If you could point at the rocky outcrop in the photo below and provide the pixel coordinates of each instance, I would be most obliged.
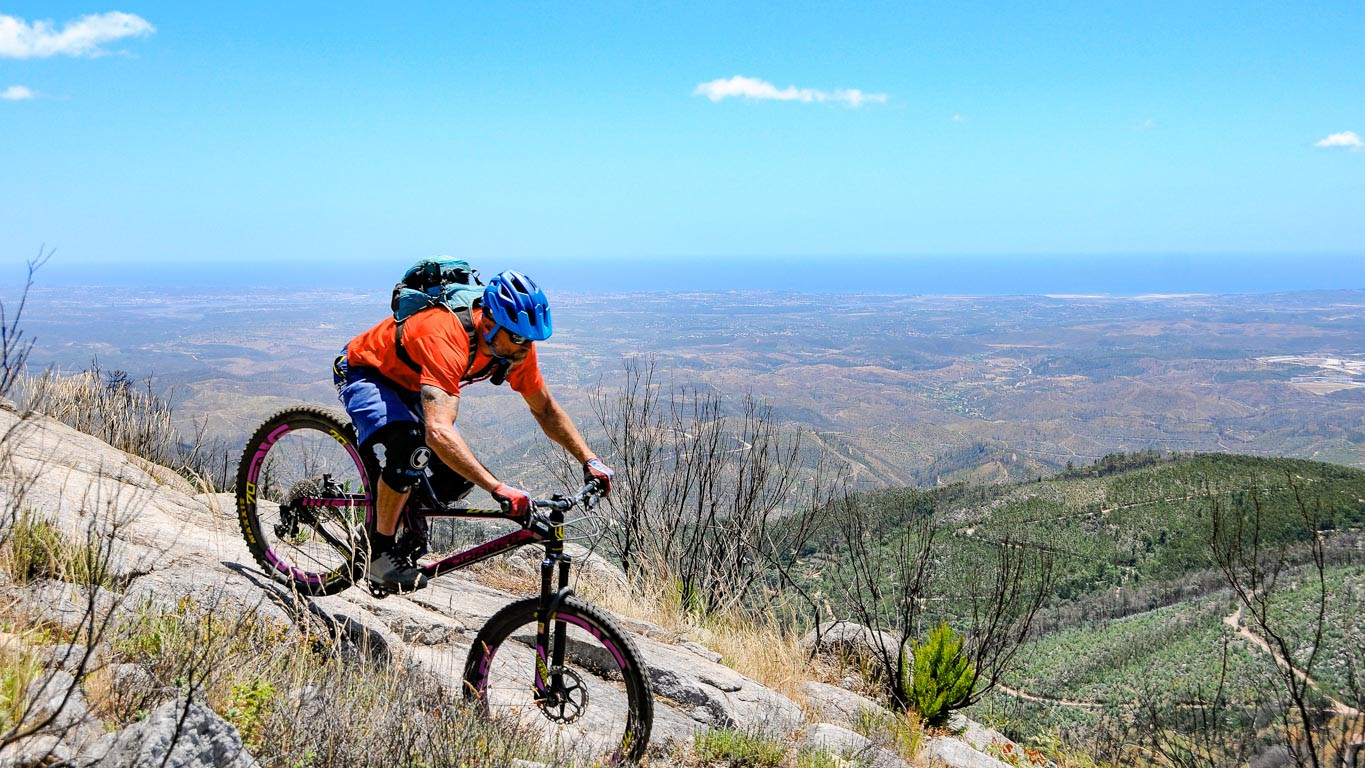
(851, 640)
(841, 741)
(177, 734)
(836, 705)
(169, 543)
(943, 752)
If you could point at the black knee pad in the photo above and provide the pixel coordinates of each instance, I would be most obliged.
(399, 453)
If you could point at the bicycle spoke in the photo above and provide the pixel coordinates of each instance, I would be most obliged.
(302, 492)
(594, 705)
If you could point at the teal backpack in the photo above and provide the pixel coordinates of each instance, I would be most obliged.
(437, 282)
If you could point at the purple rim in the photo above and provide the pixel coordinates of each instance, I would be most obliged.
(629, 725)
(281, 565)
(540, 684)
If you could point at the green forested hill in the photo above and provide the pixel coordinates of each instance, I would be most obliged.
(1138, 612)
(1129, 521)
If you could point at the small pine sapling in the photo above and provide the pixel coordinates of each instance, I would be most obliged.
(941, 677)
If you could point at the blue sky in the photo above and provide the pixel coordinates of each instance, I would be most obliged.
(574, 135)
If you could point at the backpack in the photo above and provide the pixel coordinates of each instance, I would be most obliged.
(437, 282)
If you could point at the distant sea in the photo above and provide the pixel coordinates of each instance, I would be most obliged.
(1118, 275)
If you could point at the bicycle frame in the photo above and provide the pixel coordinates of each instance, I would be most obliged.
(534, 528)
(543, 528)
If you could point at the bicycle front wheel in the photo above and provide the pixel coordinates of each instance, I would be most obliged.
(596, 704)
(302, 497)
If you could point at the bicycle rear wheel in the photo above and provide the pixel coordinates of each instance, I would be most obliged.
(605, 707)
(302, 500)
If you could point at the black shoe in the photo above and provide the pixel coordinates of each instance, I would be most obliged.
(394, 571)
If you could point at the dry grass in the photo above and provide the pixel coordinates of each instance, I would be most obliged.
(131, 416)
(296, 699)
(125, 414)
(757, 644)
(756, 649)
(34, 547)
(300, 699)
(508, 573)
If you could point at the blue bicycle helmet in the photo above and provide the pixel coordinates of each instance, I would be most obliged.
(516, 303)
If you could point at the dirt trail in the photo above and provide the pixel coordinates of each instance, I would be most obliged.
(1015, 692)
(1234, 620)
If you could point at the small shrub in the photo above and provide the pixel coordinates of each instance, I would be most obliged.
(739, 749)
(19, 666)
(823, 759)
(941, 678)
(1020, 757)
(902, 733)
(35, 548)
(248, 707)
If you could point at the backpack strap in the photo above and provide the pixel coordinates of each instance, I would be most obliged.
(466, 317)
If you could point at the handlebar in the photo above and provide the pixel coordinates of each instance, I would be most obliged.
(587, 497)
(542, 524)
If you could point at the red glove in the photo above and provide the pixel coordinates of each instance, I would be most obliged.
(514, 501)
(594, 469)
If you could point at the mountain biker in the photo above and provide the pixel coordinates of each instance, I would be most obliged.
(402, 412)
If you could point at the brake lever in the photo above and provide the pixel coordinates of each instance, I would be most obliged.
(588, 496)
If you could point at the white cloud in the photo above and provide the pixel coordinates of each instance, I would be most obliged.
(1145, 125)
(753, 88)
(82, 37)
(16, 93)
(959, 118)
(1346, 140)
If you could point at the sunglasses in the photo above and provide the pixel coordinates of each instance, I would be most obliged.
(520, 341)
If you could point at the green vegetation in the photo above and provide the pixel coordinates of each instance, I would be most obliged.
(1140, 617)
(1175, 649)
(35, 548)
(738, 749)
(941, 677)
(1340, 654)
(1133, 522)
(19, 666)
(901, 733)
(249, 703)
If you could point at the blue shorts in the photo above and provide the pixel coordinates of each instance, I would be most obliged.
(399, 454)
(371, 399)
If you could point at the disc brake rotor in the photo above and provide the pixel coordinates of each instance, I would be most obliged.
(566, 702)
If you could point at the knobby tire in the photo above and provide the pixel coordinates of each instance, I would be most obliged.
(321, 567)
(499, 676)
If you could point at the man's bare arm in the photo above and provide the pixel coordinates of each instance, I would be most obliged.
(557, 425)
(440, 409)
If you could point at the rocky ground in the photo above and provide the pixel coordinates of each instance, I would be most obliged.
(172, 542)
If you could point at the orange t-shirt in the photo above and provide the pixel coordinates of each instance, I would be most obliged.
(436, 341)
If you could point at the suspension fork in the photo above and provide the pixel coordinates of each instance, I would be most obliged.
(549, 680)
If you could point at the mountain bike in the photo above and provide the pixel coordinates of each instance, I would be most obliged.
(553, 664)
